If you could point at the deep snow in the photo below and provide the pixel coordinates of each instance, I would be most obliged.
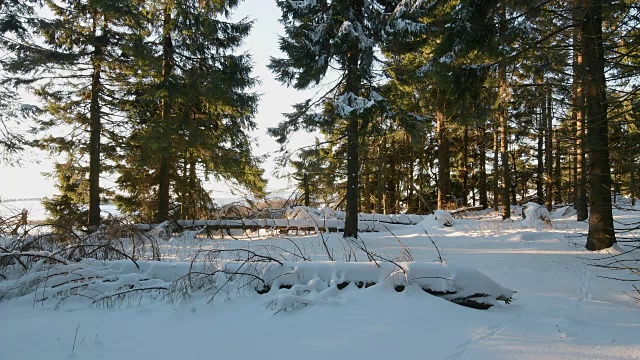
(563, 309)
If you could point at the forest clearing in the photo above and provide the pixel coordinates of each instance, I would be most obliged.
(566, 304)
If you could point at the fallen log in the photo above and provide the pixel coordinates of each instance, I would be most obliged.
(459, 212)
(461, 285)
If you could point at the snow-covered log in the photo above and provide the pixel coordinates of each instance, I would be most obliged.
(459, 284)
(308, 213)
(323, 225)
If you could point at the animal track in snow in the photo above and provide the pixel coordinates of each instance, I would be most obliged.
(585, 279)
(488, 334)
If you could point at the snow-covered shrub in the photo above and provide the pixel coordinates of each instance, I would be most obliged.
(40, 248)
(94, 281)
(440, 218)
(535, 215)
(444, 217)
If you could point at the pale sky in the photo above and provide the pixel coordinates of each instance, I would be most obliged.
(27, 182)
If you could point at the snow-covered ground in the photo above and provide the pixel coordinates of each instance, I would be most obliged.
(564, 309)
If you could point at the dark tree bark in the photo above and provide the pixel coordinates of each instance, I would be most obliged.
(412, 204)
(444, 161)
(95, 118)
(353, 163)
(504, 127)
(380, 196)
(601, 231)
(164, 179)
(482, 187)
(548, 147)
(542, 125)
(504, 146)
(307, 191)
(516, 178)
(465, 165)
(579, 118)
(504, 156)
(558, 173)
(634, 182)
(496, 168)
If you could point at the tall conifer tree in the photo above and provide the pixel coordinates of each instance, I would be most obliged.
(191, 109)
(73, 73)
(16, 16)
(601, 232)
(333, 34)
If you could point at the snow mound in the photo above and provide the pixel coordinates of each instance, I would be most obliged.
(564, 212)
(516, 210)
(440, 218)
(535, 215)
(402, 219)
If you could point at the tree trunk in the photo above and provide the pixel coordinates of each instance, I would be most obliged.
(504, 147)
(548, 150)
(634, 182)
(482, 187)
(391, 183)
(558, 173)
(351, 220)
(95, 129)
(504, 126)
(444, 162)
(496, 169)
(353, 164)
(380, 196)
(601, 231)
(412, 205)
(465, 165)
(542, 124)
(504, 156)
(164, 181)
(516, 178)
(305, 184)
(183, 189)
(579, 117)
(193, 199)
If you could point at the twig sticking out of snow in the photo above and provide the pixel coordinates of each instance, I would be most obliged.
(440, 258)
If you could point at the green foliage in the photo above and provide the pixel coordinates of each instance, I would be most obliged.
(67, 209)
(13, 30)
(210, 112)
(74, 63)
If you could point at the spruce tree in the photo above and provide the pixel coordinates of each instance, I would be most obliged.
(191, 110)
(601, 232)
(314, 169)
(15, 18)
(342, 35)
(73, 72)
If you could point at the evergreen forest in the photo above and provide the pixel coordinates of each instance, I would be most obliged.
(425, 105)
